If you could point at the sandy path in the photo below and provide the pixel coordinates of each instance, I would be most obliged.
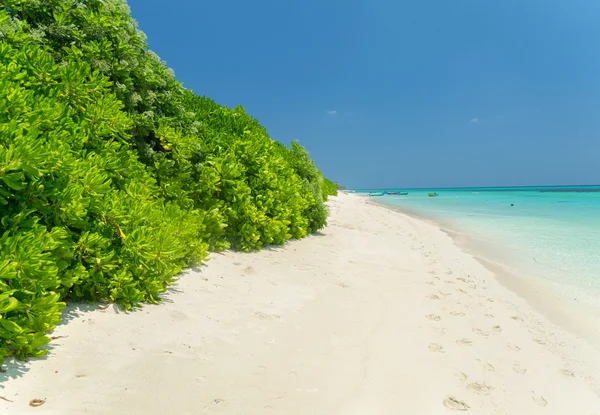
(380, 314)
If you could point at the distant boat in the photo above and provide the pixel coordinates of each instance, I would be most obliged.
(377, 193)
(398, 193)
(432, 194)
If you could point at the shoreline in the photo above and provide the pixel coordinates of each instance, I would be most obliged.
(578, 317)
(380, 313)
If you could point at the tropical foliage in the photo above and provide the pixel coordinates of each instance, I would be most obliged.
(113, 177)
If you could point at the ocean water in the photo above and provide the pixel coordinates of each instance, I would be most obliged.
(551, 233)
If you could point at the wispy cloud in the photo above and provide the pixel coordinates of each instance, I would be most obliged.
(332, 112)
(474, 121)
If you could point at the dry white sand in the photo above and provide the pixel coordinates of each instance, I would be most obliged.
(379, 314)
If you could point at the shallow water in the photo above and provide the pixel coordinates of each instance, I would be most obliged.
(550, 233)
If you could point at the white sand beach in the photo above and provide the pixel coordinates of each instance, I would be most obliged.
(380, 313)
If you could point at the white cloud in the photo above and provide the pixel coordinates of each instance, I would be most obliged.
(332, 112)
(474, 121)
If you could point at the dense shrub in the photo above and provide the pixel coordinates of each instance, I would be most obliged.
(104, 34)
(245, 175)
(113, 178)
(314, 184)
(329, 188)
(78, 218)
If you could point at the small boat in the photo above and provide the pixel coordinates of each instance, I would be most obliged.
(398, 193)
(432, 194)
(377, 193)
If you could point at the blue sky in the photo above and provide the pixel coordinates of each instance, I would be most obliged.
(388, 93)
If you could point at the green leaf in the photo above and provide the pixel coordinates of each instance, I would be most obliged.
(13, 180)
(9, 328)
(8, 304)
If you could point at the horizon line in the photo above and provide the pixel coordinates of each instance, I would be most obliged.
(476, 187)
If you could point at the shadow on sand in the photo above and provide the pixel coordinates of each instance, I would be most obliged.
(13, 368)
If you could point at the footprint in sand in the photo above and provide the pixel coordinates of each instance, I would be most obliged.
(517, 318)
(464, 342)
(539, 341)
(487, 366)
(178, 315)
(433, 297)
(449, 272)
(540, 400)
(264, 316)
(568, 373)
(489, 315)
(461, 279)
(454, 404)
(436, 348)
(481, 332)
(513, 347)
(519, 369)
(462, 291)
(432, 272)
(433, 317)
(479, 388)
(430, 282)
(449, 282)
(457, 313)
(497, 329)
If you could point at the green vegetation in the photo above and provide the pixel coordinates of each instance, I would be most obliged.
(113, 177)
(339, 186)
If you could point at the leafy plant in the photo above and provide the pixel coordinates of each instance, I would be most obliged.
(231, 166)
(314, 183)
(113, 177)
(79, 216)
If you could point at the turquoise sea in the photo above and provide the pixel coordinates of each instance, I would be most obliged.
(551, 233)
